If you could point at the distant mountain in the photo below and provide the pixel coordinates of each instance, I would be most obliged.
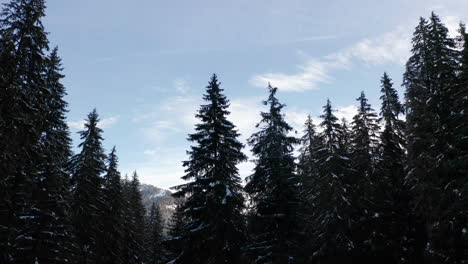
(161, 197)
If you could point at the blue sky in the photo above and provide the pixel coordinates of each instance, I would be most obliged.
(144, 64)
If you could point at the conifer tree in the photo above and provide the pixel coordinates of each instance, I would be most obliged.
(214, 202)
(134, 222)
(52, 227)
(308, 177)
(419, 131)
(332, 216)
(430, 79)
(364, 138)
(364, 155)
(9, 143)
(309, 143)
(176, 231)
(24, 43)
(273, 188)
(112, 215)
(460, 185)
(87, 195)
(394, 225)
(155, 252)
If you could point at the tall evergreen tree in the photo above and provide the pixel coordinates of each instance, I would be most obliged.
(460, 119)
(308, 177)
(112, 215)
(332, 216)
(273, 188)
(364, 155)
(430, 81)
(24, 43)
(52, 228)
(309, 143)
(214, 202)
(419, 131)
(10, 118)
(176, 231)
(155, 252)
(134, 222)
(364, 138)
(87, 195)
(394, 224)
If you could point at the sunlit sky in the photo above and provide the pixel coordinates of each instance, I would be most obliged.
(145, 64)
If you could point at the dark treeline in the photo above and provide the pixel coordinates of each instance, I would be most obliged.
(389, 186)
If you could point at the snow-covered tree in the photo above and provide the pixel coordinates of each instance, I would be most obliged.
(134, 222)
(273, 188)
(332, 214)
(154, 250)
(87, 193)
(394, 225)
(25, 121)
(52, 227)
(112, 213)
(213, 198)
(364, 156)
(176, 231)
(430, 81)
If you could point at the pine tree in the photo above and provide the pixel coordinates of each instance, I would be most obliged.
(460, 160)
(308, 177)
(394, 224)
(176, 231)
(112, 215)
(23, 104)
(364, 155)
(364, 138)
(430, 79)
(155, 252)
(134, 222)
(273, 188)
(9, 143)
(214, 202)
(51, 222)
(309, 143)
(332, 216)
(87, 195)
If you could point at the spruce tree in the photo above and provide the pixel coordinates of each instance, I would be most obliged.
(214, 202)
(460, 159)
(364, 138)
(26, 119)
(430, 81)
(273, 188)
(394, 226)
(134, 222)
(9, 143)
(87, 194)
(112, 215)
(308, 177)
(176, 231)
(332, 214)
(364, 156)
(155, 252)
(306, 166)
(52, 227)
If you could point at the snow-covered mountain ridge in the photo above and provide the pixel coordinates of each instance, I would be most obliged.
(163, 198)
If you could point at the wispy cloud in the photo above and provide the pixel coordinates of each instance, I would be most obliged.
(104, 123)
(310, 75)
(181, 86)
(391, 47)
